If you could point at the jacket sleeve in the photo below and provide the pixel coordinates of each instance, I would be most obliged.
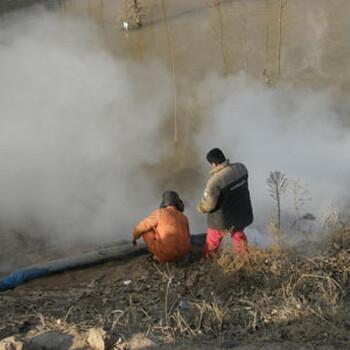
(144, 226)
(210, 198)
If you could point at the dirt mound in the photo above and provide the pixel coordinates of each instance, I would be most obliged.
(268, 297)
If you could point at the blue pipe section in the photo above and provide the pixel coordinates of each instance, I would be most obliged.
(20, 277)
(56, 266)
(96, 257)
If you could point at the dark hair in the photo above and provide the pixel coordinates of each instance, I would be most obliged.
(216, 156)
(172, 198)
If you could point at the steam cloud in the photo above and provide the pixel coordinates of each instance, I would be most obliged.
(76, 129)
(299, 132)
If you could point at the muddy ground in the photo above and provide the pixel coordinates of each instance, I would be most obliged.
(267, 301)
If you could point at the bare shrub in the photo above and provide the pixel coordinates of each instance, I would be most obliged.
(277, 183)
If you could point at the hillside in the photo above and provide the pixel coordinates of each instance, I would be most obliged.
(270, 299)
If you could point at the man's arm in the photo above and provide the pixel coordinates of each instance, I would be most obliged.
(144, 226)
(209, 200)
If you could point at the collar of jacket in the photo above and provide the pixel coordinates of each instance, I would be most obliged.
(221, 166)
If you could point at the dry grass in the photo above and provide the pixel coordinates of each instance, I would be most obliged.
(263, 296)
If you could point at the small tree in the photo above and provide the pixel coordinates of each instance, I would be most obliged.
(277, 183)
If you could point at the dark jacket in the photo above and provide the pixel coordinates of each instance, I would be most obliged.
(226, 198)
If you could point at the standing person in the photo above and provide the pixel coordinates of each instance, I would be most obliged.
(226, 201)
(166, 231)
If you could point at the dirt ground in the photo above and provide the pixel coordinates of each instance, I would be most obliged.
(139, 303)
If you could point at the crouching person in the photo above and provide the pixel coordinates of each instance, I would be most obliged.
(166, 230)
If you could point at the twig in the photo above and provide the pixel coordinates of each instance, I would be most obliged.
(322, 277)
(282, 6)
(166, 301)
(186, 324)
(321, 317)
(67, 314)
(172, 64)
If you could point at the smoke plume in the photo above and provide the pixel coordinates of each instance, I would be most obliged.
(82, 136)
(76, 130)
(299, 132)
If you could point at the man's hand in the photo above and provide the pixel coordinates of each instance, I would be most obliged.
(200, 208)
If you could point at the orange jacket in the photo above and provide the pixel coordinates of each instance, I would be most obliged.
(166, 234)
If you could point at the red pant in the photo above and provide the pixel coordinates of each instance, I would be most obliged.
(214, 239)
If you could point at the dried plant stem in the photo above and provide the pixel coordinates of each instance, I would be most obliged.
(245, 37)
(172, 65)
(67, 314)
(126, 11)
(298, 201)
(329, 279)
(166, 302)
(321, 317)
(266, 77)
(221, 37)
(137, 13)
(267, 47)
(282, 6)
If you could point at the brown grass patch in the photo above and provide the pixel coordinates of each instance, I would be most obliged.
(267, 295)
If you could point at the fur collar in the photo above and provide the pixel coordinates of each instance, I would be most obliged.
(221, 166)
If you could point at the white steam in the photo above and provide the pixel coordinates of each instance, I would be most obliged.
(78, 126)
(74, 131)
(295, 131)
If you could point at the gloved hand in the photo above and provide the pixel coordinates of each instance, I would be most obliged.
(200, 208)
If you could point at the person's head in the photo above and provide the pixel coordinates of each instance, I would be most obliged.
(171, 198)
(215, 157)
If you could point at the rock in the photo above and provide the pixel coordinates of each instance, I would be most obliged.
(53, 340)
(11, 343)
(140, 341)
(96, 338)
